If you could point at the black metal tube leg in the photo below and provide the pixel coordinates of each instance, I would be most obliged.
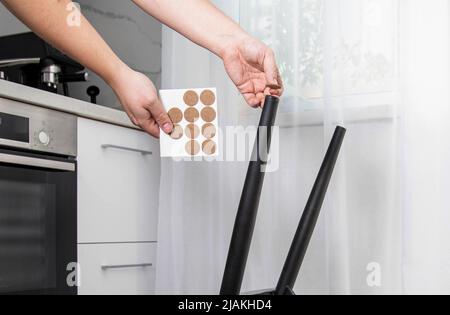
(248, 207)
(310, 215)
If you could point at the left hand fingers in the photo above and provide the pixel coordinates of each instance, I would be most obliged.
(277, 92)
(280, 83)
(272, 74)
(252, 100)
(271, 69)
(275, 89)
(150, 126)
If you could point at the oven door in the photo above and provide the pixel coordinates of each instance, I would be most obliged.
(38, 224)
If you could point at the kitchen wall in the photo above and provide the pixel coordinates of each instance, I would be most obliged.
(9, 24)
(134, 36)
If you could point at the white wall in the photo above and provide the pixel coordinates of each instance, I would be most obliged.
(134, 36)
(9, 24)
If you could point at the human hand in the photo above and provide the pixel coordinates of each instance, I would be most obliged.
(140, 100)
(251, 65)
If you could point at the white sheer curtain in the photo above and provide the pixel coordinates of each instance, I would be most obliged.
(381, 68)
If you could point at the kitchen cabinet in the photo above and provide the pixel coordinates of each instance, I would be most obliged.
(118, 191)
(118, 184)
(117, 269)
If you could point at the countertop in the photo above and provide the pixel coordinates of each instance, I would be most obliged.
(25, 94)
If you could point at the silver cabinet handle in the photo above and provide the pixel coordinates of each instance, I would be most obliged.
(118, 147)
(143, 265)
(35, 162)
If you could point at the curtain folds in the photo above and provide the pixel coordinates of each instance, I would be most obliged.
(381, 68)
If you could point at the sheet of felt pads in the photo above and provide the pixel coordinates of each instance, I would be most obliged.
(194, 115)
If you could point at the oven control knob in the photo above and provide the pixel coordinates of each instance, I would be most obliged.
(44, 138)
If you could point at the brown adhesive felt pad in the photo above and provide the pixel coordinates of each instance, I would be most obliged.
(192, 131)
(177, 132)
(192, 147)
(176, 115)
(190, 98)
(208, 97)
(208, 114)
(209, 147)
(209, 131)
(191, 115)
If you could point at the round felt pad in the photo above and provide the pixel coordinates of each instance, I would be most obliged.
(190, 98)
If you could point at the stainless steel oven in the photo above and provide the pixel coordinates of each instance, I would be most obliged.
(38, 210)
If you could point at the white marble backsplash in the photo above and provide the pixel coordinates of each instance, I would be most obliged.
(133, 35)
(9, 24)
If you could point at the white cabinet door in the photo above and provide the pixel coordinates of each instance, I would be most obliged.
(117, 269)
(118, 184)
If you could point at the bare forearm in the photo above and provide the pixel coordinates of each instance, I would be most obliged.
(198, 20)
(48, 18)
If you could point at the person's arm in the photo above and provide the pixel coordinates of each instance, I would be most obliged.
(250, 64)
(48, 19)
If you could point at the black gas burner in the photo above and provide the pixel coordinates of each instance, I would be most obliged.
(27, 59)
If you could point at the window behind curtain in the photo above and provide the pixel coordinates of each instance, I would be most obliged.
(350, 43)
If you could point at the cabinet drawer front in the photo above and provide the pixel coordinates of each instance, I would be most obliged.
(118, 184)
(117, 269)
